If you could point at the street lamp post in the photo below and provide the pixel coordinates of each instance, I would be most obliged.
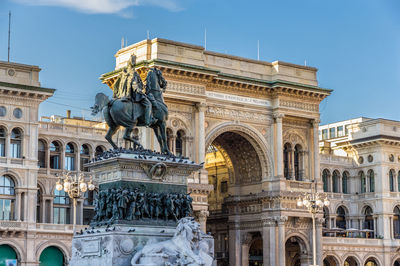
(314, 202)
(74, 185)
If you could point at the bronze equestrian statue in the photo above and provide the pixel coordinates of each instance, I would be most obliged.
(132, 106)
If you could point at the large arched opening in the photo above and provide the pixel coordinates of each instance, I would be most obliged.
(296, 252)
(330, 261)
(236, 165)
(351, 261)
(233, 163)
(8, 255)
(256, 252)
(52, 256)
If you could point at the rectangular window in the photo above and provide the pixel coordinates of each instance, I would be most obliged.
(60, 216)
(42, 159)
(6, 209)
(2, 148)
(55, 161)
(15, 149)
(69, 163)
(346, 130)
(224, 186)
(332, 132)
(340, 132)
(324, 133)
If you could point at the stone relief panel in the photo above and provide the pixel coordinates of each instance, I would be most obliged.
(179, 87)
(299, 105)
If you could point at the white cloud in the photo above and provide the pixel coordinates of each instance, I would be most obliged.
(103, 6)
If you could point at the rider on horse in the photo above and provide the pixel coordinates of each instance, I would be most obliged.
(129, 87)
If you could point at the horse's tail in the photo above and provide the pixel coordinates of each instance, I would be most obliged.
(100, 101)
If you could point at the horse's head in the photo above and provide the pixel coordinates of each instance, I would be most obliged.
(155, 80)
(100, 101)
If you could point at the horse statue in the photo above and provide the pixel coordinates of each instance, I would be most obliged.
(129, 114)
(188, 247)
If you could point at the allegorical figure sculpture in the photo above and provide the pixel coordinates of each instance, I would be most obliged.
(113, 205)
(187, 247)
(135, 106)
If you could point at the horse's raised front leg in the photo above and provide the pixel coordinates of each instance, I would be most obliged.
(110, 133)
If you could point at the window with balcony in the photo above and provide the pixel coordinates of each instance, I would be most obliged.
(340, 131)
(99, 151)
(69, 157)
(345, 180)
(16, 142)
(179, 143)
(371, 179)
(298, 171)
(55, 155)
(84, 157)
(325, 179)
(391, 180)
(332, 132)
(324, 133)
(61, 207)
(41, 154)
(341, 218)
(2, 142)
(363, 182)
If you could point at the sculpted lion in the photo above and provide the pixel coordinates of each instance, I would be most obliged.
(186, 248)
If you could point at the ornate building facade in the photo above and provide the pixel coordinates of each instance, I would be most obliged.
(255, 125)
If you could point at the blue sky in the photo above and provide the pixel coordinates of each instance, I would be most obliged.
(354, 44)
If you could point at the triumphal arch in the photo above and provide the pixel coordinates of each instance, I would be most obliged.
(255, 126)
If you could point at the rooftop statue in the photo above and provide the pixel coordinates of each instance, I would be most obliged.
(134, 105)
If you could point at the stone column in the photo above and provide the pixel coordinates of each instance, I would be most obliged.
(202, 216)
(245, 249)
(201, 135)
(18, 205)
(281, 239)
(318, 229)
(279, 144)
(269, 242)
(234, 246)
(315, 124)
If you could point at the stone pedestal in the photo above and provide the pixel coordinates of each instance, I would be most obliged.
(114, 239)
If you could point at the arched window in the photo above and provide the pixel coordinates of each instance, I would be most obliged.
(325, 179)
(16, 140)
(341, 218)
(55, 155)
(85, 157)
(286, 154)
(345, 180)
(298, 171)
(363, 181)
(99, 151)
(369, 221)
(371, 179)
(69, 157)
(41, 154)
(2, 142)
(38, 204)
(179, 143)
(335, 181)
(7, 198)
(396, 222)
(61, 207)
(391, 180)
(398, 181)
